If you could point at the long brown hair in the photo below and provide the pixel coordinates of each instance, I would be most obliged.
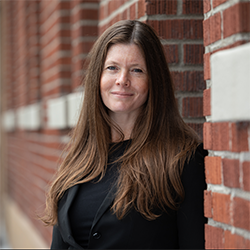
(149, 176)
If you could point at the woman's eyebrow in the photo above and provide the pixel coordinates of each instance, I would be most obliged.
(111, 61)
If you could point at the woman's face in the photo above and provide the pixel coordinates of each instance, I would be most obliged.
(124, 80)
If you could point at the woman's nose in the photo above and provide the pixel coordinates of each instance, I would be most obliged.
(123, 79)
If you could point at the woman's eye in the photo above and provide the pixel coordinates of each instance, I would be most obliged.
(137, 70)
(111, 68)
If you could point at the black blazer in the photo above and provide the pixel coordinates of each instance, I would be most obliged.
(183, 228)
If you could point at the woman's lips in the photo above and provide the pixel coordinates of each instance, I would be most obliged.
(121, 94)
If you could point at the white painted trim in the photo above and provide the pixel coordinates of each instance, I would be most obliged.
(230, 88)
(74, 103)
(21, 117)
(34, 116)
(62, 112)
(56, 113)
(8, 120)
(29, 117)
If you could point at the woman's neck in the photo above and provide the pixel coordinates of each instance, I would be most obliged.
(126, 124)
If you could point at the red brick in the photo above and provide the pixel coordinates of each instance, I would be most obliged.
(111, 7)
(115, 5)
(124, 15)
(234, 241)
(207, 135)
(57, 22)
(220, 134)
(241, 213)
(86, 31)
(240, 136)
(84, 14)
(206, 6)
(231, 172)
(221, 208)
(171, 53)
(206, 58)
(207, 102)
(178, 28)
(192, 7)
(161, 7)
(236, 19)
(206, 32)
(102, 11)
(63, 74)
(193, 53)
(33, 55)
(246, 175)
(141, 8)
(82, 47)
(214, 237)
(218, 2)
(198, 128)
(192, 107)
(215, 28)
(208, 204)
(212, 29)
(115, 20)
(188, 81)
(213, 169)
(64, 5)
(65, 61)
(88, 14)
(56, 91)
(132, 11)
(102, 28)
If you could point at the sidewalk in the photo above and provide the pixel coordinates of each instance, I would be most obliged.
(4, 244)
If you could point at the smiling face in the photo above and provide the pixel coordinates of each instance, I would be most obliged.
(124, 80)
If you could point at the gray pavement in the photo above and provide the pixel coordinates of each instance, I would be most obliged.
(4, 243)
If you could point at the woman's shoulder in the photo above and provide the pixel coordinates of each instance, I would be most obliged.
(200, 153)
(67, 196)
(194, 167)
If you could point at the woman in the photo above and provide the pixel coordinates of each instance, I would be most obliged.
(133, 176)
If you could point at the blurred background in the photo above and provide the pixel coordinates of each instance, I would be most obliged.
(44, 44)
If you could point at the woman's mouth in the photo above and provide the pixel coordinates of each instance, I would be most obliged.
(121, 94)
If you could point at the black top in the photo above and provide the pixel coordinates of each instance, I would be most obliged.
(182, 228)
(90, 196)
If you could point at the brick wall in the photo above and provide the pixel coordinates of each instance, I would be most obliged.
(45, 46)
(55, 48)
(37, 46)
(226, 132)
(84, 31)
